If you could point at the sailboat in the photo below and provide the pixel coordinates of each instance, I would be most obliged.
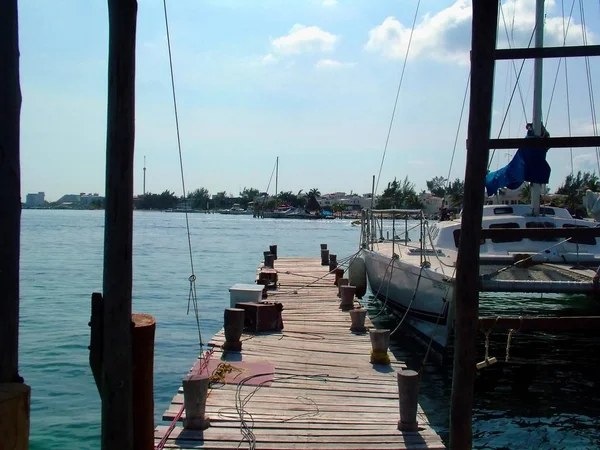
(524, 248)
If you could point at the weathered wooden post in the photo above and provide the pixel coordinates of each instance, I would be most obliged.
(117, 409)
(195, 392)
(269, 259)
(380, 341)
(342, 282)
(273, 250)
(144, 327)
(339, 273)
(234, 325)
(358, 316)
(408, 399)
(324, 257)
(332, 262)
(347, 294)
(14, 394)
(484, 29)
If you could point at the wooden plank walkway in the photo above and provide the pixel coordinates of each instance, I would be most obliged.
(325, 394)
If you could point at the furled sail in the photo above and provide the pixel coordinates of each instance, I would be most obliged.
(528, 164)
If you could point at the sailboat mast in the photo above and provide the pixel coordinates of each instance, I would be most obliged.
(144, 189)
(276, 176)
(538, 73)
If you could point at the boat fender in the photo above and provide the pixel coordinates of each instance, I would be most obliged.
(357, 276)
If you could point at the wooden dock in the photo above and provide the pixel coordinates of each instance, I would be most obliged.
(324, 393)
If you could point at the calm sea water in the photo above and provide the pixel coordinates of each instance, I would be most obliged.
(61, 265)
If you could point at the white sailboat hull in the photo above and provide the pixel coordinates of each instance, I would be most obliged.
(423, 295)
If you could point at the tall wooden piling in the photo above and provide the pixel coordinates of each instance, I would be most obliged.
(142, 394)
(484, 29)
(14, 395)
(10, 191)
(117, 415)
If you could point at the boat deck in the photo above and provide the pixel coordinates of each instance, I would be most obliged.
(324, 393)
(496, 267)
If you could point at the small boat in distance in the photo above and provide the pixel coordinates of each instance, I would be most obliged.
(235, 209)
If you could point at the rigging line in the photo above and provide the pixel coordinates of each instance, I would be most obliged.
(511, 98)
(411, 301)
(567, 78)
(565, 32)
(387, 140)
(192, 277)
(513, 61)
(589, 81)
(462, 111)
(568, 111)
(271, 179)
(273, 173)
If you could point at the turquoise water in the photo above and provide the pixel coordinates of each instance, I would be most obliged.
(61, 265)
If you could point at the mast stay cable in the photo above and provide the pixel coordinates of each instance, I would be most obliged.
(588, 72)
(387, 140)
(192, 297)
(565, 33)
(511, 97)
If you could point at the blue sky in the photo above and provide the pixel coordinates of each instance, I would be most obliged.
(310, 81)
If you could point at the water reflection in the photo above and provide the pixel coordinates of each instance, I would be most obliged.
(545, 397)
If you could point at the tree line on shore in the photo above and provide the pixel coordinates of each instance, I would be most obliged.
(398, 194)
(201, 199)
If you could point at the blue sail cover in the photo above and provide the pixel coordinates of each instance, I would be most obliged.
(528, 164)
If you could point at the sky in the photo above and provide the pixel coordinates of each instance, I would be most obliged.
(312, 82)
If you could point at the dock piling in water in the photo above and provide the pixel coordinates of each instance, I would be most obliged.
(142, 337)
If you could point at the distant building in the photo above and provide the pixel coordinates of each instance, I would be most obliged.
(70, 198)
(431, 204)
(505, 197)
(86, 199)
(33, 200)
(350, 201)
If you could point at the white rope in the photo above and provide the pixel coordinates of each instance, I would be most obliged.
(509, 338)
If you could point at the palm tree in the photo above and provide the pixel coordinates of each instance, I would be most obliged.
(525, 193)
(339, 208)
(314, 192)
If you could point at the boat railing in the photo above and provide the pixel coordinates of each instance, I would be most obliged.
(372, 222)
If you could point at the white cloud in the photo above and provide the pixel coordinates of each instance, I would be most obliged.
(332, 64)
(303, 39)
(268, 59)
(585, 160)
(446, 35)
(329, 3)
